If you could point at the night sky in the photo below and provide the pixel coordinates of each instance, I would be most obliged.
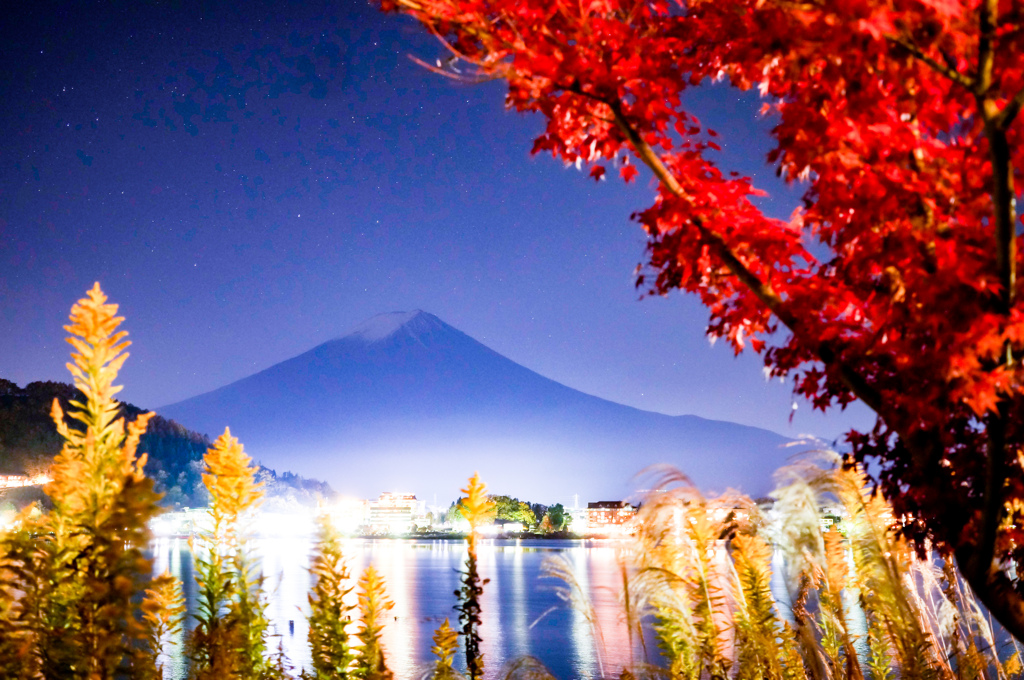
(250, 180)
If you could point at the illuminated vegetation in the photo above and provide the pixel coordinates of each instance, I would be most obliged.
(478, 509)
(373, 605)
(331, 609)
(446, 641)
(69, 578)
(78, 598)
(229, 639)
(162, 611)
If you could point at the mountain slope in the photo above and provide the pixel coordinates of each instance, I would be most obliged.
(406, 401)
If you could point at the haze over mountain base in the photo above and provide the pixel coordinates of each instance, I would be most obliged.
(406, 402)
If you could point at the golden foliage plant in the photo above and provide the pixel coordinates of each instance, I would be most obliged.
(476, 506)
(98, 459)
(162, 611)
(883, 560)
(69, 580)
(478, 509)
(760, 634)
(331, 609)
(373, 605)
(229, 639)
(681, 574)
(446, 643)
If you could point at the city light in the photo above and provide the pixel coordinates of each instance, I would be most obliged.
(20, 481)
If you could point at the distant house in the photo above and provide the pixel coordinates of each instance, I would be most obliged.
(393, 513)
(609, 517)
(10, 480)
(830, 516)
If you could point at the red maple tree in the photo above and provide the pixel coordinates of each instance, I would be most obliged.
(894, 283)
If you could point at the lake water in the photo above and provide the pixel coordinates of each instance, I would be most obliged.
(522, 613)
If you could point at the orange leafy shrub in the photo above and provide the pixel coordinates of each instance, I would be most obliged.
(230, 638)
(69, 578)
(373, 605)
(478, 509)
(95, 463)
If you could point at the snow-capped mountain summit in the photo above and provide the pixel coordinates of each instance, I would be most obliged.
(384, 325)
(406, 401)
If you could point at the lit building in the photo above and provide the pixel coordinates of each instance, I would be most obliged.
(393, 513)
(16, 481)
(609, 517)
(13, 481)
(830, 516)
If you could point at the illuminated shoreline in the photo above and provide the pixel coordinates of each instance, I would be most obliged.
(192, 522)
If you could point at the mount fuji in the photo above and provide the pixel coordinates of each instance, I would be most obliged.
(407, 402)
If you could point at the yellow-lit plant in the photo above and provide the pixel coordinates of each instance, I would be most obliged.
(373, 605)
(31, 615)
(760, 633)
(839, 647)
(230, 636)
(99, 459)
(69, 579)
(446, 643)
(478, 509)
(883, 560)
(679, 574)
(162, 612)
(700, 573)
(331, 611)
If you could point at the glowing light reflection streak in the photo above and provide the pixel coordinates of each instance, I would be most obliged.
(517, 607)
(607, 584)
(401, 632)
(285, 569)
(490, 602)
(587, 648)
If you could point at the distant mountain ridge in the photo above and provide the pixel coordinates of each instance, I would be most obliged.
(407, 401)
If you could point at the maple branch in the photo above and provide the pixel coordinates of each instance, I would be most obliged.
(460, 77)
(1003, 207)
(762, 289)
(1010, 111)
(987, 12)
(938, 67)
(978, 562)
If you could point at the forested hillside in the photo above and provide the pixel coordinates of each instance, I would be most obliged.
(29, 441)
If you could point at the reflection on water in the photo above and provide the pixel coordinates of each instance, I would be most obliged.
(522, 614)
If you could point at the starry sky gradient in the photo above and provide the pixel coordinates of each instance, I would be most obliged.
(249, 180)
